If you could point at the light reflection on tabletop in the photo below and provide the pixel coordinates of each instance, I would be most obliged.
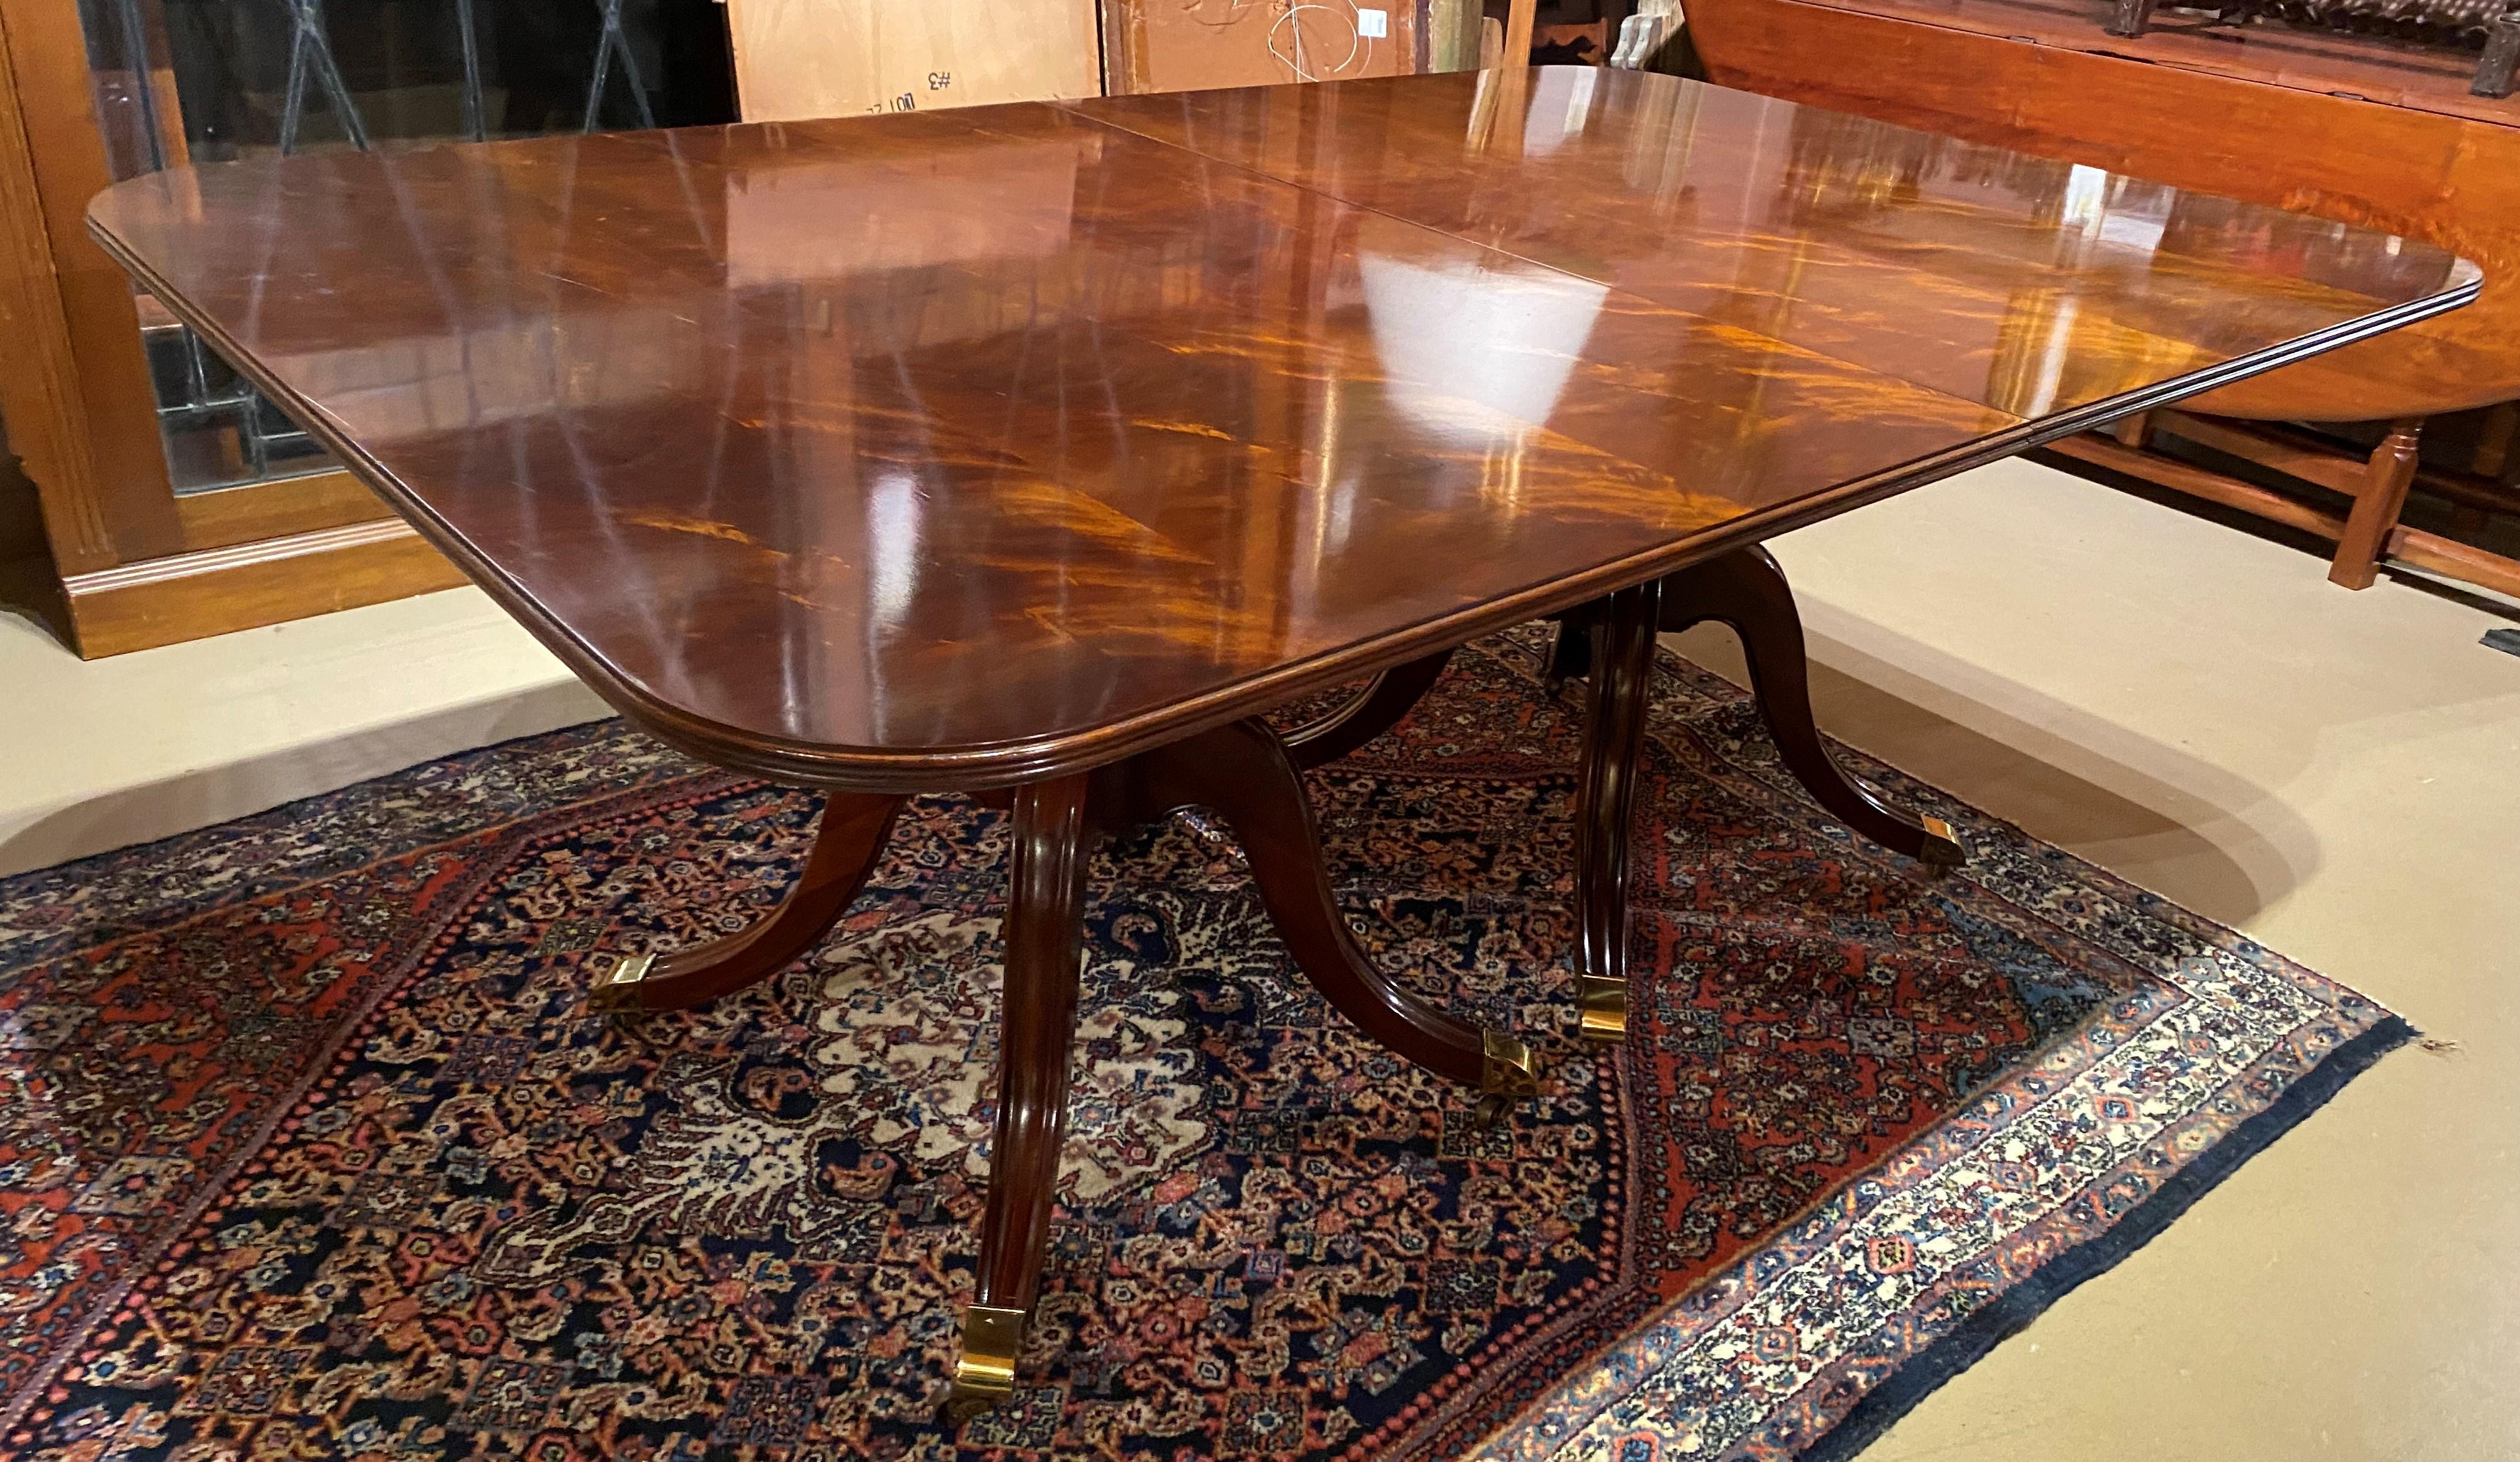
(981, 429)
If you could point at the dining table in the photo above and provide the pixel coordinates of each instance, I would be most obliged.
(1038, 453)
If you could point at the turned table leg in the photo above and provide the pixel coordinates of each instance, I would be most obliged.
(2376, 506)
(1745, 590)
(847, 842)
(1246, 774)
(1043, 942)
(1610, 641)
(1617, 691)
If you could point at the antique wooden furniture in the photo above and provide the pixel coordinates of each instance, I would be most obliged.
(2348, 67)
(176, 503)
(1047, 495)
(2490, 27)
(2428, 174)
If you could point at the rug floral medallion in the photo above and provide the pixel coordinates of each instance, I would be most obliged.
(309, 1147)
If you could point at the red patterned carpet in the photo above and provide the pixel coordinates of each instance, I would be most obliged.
(309, 1148)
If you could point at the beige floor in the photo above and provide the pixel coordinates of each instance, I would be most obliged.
(2196, 709)
(123, 750)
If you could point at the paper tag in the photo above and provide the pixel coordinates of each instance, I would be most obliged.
(1372, 24)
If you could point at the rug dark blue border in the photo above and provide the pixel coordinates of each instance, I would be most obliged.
(2010, 1313)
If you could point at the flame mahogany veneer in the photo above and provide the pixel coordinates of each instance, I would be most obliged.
(1281, 386)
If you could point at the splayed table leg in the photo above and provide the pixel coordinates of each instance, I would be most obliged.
(1747, 590)
(847, 843)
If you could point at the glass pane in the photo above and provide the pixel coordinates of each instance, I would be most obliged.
(209, 80)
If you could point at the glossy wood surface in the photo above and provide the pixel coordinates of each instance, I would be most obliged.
(1617, 698)
(2450, 180)
(969, 448)
(2346, 65)
(2023, 283)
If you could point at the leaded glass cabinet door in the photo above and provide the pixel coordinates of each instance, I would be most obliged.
(178, 501)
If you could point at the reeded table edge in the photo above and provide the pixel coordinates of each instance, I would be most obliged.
(983, 766)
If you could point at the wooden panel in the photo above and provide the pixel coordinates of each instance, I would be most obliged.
(75, 390)
(1165, 45)
(285, 508)
(38, 378)
(125, 485)
(798, 59)
(192, 596)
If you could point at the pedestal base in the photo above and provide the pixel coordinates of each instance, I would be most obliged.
(1251, 777)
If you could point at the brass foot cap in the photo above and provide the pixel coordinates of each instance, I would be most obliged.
(616, 988)
(985, 1374)
(1507, 1067)
(1507, 1073)
(1605, 1004)
(1942, 849)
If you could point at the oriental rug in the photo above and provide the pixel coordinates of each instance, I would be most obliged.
(309, 1148)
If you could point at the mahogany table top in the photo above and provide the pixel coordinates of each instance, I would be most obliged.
(959, 448)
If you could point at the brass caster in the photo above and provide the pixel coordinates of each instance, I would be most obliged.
(985, 1374)
(1941, 848)
(616, 990)
(1506, 1074)
(1605, 1004)
(1507, 1068)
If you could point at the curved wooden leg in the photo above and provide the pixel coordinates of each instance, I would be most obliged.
(846, 844)
(1570, 646)
(1746, 590)
(1243, 771)
(1617, 699)
(1376, 709)
(1045, 946)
